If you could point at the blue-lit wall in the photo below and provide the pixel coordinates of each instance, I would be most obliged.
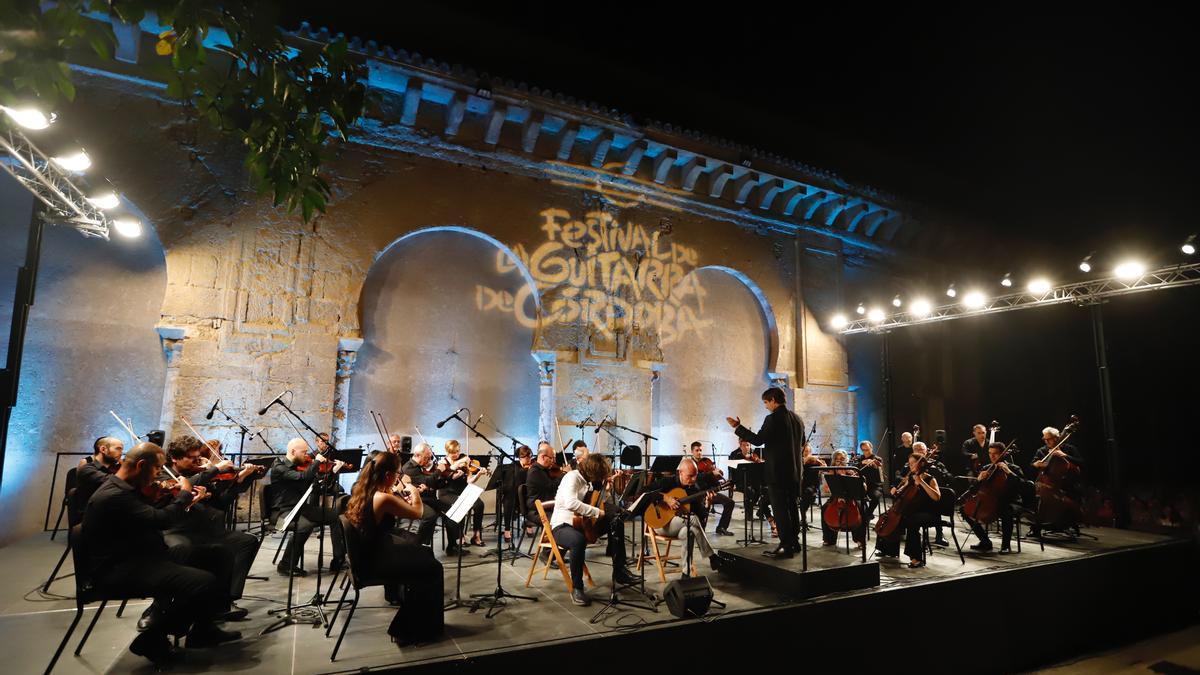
(90, 347)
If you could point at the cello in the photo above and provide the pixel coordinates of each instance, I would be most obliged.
(841, 514)
(1055, 506)
(983, 501)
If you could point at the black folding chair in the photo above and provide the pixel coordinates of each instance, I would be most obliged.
(359, 580)
(85, 594)
(945, 513)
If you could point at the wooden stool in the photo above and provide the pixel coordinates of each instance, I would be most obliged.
(660, 558)
(547, 543)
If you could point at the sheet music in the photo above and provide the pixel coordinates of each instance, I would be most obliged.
(465, 501)
(296, 509)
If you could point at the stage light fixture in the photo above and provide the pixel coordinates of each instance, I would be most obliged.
(860, 309)
(876, 315)
(1085, 265)
(29, 118)
(1007, 280)
(1039, 286)
(105, 200)
(951, 292)
(127, 227)
(1129, 270)
(838, 321)
(1189, 245)
(920, 307)
(974, 300)
(75, 163)
(896, 301)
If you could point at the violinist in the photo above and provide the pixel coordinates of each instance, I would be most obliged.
(292, 475)
(870, 467)
(975, 449)
(1053, 447)
(204, 523)
(707, 480)
(686, 477)
(995, 450)
(828, 534)
(92, 472)
(397, 556)
(458, 462)
(812, 479)
(421, 473)
(922, 511)
(746, 452)
(127, 555)
(757, 497)
(569, 502)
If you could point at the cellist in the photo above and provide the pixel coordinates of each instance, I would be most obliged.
(1054, 447)
(995, 451)
(921, 512)
(828, 534)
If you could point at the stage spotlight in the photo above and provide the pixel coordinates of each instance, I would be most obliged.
(1039, 286)
(838, 321)
(29, 118)
(951, 292)
(860, 309)
(108, 200)
(974, 300)
(75, 163)
(127, 227)
(1189, 246)
(1085, 265)
(875, 315)
(1007, 280)
(920, 308)
(896, 301)
(1129, 270)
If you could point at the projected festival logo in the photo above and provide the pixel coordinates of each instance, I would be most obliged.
(607, 274)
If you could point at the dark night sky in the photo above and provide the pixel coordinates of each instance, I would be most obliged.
(1071, 132)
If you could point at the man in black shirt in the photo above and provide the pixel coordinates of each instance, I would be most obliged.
(420, 470)
(782, 435)
(685, 479)
(975, 449)
(1053, 447)
(122, 533)
(92, 472)
(291, 477)
(900, 455)
(539, 485)
(709, 480)
(995, 450)
(870, 467)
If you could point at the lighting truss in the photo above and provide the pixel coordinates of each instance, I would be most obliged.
(65, 202)
(1082, 293)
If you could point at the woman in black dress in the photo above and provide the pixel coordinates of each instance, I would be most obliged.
(376, 501)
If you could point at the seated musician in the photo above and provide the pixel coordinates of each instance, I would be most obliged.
(579, 450)
(204, 523)
(757, 496)
(92, 472)
(424, 476)
(921, 512)
(686, 478)
(1053, 447)
(975, 449)
(517, 476)
(811, 478)
(745, 451)
(570, 501)
(122, 532)
(397, 556)
(828, 534)
(708, 481)
(292, 475)
(938, 471)
(870, 466)
(457, 461)
(541, 483)
(995, 450)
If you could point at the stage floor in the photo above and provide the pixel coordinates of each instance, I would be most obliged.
(31, 624)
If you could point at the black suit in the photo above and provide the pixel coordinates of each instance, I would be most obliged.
(782, 435)
(290, 485)
(204, 526)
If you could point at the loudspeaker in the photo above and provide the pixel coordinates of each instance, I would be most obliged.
(689, 596)
(406, 445)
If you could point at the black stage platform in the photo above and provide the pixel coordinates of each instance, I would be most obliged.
(1044, 606)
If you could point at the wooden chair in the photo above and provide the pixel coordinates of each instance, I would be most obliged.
(661, 558)
(547, 543)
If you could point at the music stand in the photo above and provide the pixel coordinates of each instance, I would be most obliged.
(850, 488)
(665, 464)
(636, 509)
(748, 477)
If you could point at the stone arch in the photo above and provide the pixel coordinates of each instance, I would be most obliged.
(430, 345)
(764, 306)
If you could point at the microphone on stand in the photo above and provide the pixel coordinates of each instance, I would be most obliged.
(212, 410)
(582, 424)
(277, 399)
(598, 426)
(474, 426)
(443, 422)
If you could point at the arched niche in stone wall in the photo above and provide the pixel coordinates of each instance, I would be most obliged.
(446, 324)
(718, 367)
(91, 347)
